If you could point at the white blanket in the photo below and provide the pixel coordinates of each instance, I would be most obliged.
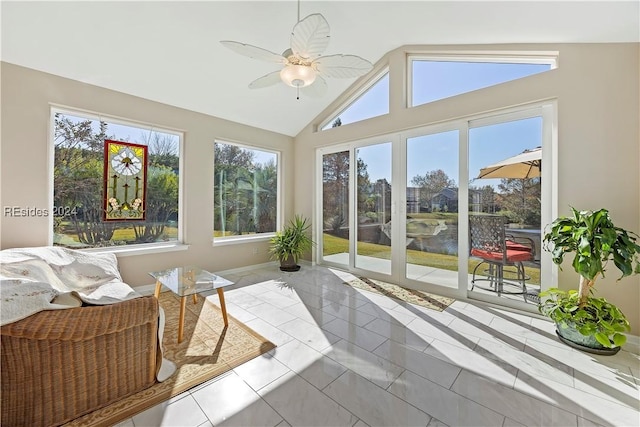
(92, 277)
(53, 278)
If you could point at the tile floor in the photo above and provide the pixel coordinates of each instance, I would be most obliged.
(352, 358)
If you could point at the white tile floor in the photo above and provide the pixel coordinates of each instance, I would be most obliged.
(351, 358)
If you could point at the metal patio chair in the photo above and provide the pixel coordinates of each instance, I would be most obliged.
(496, 250)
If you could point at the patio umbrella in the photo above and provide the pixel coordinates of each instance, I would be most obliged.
(524, 165)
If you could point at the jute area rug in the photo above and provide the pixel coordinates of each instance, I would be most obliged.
(424, 299)
(206, 351)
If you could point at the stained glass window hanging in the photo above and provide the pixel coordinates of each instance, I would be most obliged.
(125, 181)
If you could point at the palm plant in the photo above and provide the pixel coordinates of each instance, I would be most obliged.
(292, 242)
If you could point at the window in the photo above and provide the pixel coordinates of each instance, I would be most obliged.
(139, 204)
(434, 79)
(372, 103)
(246, 191)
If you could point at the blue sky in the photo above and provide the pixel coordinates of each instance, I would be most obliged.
(437, 80)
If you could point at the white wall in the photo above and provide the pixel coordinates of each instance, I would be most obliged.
(597, 89)
(26, 170)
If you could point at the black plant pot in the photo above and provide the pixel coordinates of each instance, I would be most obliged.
(290, 269)
(289, 264)
(573, 338)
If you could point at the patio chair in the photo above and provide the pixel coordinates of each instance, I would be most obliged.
(496, 250)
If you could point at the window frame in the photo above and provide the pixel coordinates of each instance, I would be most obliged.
(127, 249)
(509, 57)
(249, 238)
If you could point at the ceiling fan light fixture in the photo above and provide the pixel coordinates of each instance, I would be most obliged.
(298, 75)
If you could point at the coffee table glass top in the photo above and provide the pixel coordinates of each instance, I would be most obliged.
(189, 280)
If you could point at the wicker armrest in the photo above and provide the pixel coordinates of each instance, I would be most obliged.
(78, 324)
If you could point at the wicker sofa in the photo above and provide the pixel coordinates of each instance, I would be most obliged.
(58, 365)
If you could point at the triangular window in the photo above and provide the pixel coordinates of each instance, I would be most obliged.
(374, 101)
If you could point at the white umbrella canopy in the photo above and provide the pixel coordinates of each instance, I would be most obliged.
(524, 165)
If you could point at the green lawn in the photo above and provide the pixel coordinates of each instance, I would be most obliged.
(433, 217)
(335, 245)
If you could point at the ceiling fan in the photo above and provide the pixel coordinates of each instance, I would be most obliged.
(303, 67)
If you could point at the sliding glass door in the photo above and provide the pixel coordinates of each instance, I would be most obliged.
(432, 205)
(335, 207)
(505, 166)
(401, 207)
(374, 200)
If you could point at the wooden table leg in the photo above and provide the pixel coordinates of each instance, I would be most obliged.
(183, 303)
(157, 291)
(223, 307)
(195, 298)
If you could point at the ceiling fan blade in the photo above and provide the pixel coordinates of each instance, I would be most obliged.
(317, 89)
(342, 66)
(310, 36)
(266, 80)
(254, 52)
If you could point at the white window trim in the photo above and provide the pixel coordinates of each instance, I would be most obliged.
(252, 238)
(353, 98)
(131, 249)
(245, 238)
(510, 57)
(141, 249)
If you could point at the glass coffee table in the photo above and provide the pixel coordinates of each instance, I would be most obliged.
(189, 280)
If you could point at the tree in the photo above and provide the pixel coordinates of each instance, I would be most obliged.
(337, 122)
(266, 184)
(163, 150)
(335, 188)
(78, 176)
(432, 183)
(521, 197)
(162, 203)
(245, 191)
(230, 156)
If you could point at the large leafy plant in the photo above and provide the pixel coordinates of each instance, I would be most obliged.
(293, 240)
(594, 240)
(599, 318)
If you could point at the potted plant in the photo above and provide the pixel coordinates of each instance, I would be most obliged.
(584, 321)
(291, 243)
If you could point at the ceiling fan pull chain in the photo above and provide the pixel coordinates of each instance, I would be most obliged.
(298, 94)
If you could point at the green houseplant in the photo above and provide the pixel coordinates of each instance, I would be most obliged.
(582, 320)
(291, 243)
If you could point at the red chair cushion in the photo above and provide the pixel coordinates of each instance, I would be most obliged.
(512, 255)
(511, 245)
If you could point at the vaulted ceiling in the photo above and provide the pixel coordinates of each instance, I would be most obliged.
(170, 52)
